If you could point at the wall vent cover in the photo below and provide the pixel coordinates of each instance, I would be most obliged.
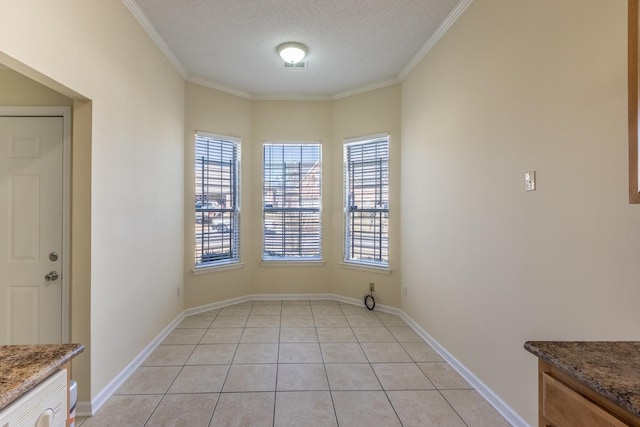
(303, 65)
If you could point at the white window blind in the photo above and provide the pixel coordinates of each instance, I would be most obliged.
(292, 201)
(366, 167)
(217, 200)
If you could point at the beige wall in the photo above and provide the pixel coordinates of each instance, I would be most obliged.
(129, 108)
(327, 122)
(81, 243)
(303, 121)
(513, 86)
(216, 112)
(135, 122)
(19, 90)
(376, 111)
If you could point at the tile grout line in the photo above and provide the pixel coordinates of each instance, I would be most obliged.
(326, 375)
(378, 378)
(452, 407)
(301, 337)
(434, 385)
(275, 387)
(177, 375)
(228, 369)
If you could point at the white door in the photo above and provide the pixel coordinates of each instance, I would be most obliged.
(31, 183)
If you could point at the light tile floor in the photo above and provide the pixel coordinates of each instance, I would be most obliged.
(294, 363)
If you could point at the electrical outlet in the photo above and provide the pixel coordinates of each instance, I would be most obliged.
(372, 286)
(178, 292)
(404, 291)
(530, 181)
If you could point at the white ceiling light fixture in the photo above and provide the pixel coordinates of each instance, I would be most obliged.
(292, 52)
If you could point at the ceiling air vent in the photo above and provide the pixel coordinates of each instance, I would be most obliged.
(302, 65)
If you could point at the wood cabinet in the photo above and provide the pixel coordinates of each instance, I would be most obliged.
(564, 402)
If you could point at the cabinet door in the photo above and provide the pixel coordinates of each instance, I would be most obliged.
(564, 407)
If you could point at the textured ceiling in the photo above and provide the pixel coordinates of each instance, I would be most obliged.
(353, 44)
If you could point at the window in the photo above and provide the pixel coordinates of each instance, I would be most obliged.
(217, 200)
(366, 200)
(292, 201)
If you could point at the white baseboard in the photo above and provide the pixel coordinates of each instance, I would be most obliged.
(360, 302)
(498, 404)
(85, 409)
(290, 297)
(215, 305)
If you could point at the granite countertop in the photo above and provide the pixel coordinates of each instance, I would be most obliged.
(23, 367)
(610, 368)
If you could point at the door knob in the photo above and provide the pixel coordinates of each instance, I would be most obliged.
(51, 276)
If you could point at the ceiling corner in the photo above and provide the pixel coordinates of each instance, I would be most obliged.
(435, 37)
(155, 36)
(216, 86)
(364, 89)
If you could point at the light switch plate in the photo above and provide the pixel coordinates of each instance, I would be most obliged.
(530, 181)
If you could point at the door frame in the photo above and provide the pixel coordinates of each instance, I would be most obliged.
(65, 113)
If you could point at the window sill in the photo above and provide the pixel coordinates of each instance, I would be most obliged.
(216, 268)
(302, 263)
(366, 267)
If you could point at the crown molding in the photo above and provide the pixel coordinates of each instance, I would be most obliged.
(155, 36)
(435, 37)
(453, 16)
(217, 86)
(212, 85)
(367, 88)
(291, 98)
(231, 91)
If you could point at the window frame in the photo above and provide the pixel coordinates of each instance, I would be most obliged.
(209, 208)
(270, 209)
(350, 209)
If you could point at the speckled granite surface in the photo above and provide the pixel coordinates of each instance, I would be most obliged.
(22, 367)
(611, 368)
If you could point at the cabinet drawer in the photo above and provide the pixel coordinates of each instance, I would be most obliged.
(565, 407)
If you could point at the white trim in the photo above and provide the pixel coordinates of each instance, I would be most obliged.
(89, 408)
(367, 88)
(65, 113)
(498, 404)
(205, 134)
(219, 87)
(359, 143)
(236, 144)
(291, 142)
(290, 98)
(215, 305)
(155, 36)
(216, 268)
(365, 267)
(286, 260)
(290, 297)
(360, 302)
(66, 224)
(153, 33)
(279, 262)
(435, 37)
(365, 138)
